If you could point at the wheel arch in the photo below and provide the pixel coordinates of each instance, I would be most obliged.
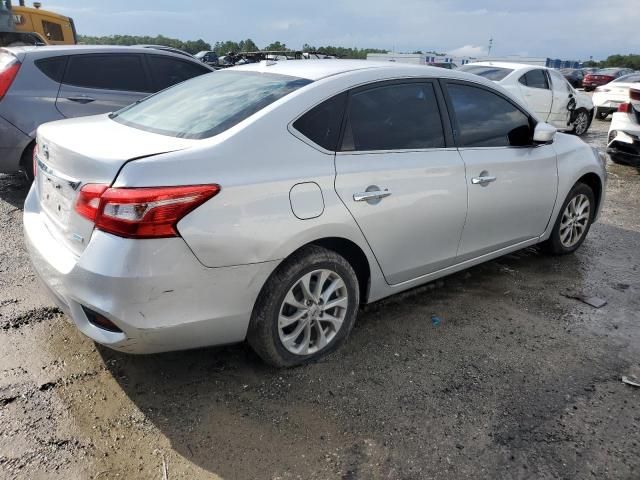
(593, 181)
(353, 254)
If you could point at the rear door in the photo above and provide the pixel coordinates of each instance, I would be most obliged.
(400, 177)
(512, 183)
(536, 92)
(101, 83)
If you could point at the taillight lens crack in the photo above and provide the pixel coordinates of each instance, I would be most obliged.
(147, 212)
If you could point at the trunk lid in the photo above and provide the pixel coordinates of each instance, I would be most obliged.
(75, 152)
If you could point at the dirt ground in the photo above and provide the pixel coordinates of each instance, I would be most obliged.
(518, 381)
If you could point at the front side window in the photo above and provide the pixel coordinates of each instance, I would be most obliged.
(394, 117)
(535, 79)
(108, 72)
(559, 82)
(485, 119)
(209, 104)
(167, 71)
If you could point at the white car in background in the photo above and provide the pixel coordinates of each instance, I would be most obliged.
(624, 133)
(609, 97)
(544, 90)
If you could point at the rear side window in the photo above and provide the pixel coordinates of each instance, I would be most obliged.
(394, 117)
(107, 72)
(52, 67)
(167, 71)
(535, 79)
(53, 31)
(487, 120)
(322, 124)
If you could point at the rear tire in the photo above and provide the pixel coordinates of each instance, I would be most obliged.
(573, 222)
(293, 320)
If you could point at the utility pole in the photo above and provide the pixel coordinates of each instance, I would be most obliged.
(490, 45)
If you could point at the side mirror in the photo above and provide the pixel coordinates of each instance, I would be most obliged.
(544, 133)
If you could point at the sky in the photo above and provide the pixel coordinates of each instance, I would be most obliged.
(566, 29)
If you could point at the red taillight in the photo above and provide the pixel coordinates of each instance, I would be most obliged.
(634, 95)
(7, 75)
(149, 212)
(625, 107)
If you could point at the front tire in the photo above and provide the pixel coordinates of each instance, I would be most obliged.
(306, 308)
(573, 222)
(581, 122)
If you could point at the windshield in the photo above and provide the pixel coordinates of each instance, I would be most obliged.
(634, 77)
(209, 104)
(490, 73)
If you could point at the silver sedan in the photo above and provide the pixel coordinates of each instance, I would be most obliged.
(268, 202)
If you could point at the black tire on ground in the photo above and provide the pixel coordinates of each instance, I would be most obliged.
(26, 162)
(263, 334)
(554, 245)
(583, 128)
(601, 114)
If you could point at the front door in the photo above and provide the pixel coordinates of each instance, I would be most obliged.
(101, 83)
(395, 174)
(512, 183)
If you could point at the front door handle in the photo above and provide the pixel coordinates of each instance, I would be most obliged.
(371, 196)
(483, 180)
(81, 99)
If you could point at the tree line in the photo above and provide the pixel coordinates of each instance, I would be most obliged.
(222, 48)
(622, 61)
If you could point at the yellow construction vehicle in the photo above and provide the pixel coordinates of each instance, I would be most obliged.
(22, 25)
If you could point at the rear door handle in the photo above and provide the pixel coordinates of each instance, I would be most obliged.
(81, 99)
(371, 195)
(483, 179)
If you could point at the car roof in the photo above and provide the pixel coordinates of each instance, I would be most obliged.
(316, 69)
(53, 50)
(510, 65)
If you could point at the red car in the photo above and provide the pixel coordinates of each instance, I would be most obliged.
(602, 77)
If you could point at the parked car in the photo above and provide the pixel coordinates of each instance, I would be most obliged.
(545, 90)
(208, 57)
(193, 219)
(624, 132)
(573, 75)
(609, 97)
(602, 77)
(41, 84)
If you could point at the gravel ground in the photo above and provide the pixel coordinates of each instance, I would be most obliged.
(518, 380)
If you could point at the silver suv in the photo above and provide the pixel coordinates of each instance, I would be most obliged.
(42, 84)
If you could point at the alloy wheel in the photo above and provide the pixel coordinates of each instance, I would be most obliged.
(581, 124)
(312, 312)
(575, 220)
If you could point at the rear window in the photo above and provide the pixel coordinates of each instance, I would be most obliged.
(208, 105)
(322, 123)
(608, 71)
(490, 73)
